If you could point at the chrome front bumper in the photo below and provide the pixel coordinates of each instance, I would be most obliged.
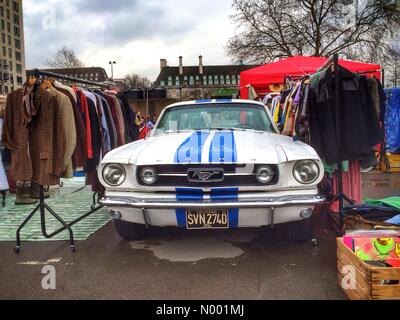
(273, 202)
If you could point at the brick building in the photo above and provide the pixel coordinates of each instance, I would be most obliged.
(199, 82)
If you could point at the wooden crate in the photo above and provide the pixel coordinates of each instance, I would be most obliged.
(394, 160)
(369, 281)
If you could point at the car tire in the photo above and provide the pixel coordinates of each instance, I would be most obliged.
(300, 231)
(130, 231)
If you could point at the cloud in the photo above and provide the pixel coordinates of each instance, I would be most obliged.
(136, 33)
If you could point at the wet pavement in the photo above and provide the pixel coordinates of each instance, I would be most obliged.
(177, 264)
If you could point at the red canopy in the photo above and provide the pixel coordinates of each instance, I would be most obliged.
(274, 73)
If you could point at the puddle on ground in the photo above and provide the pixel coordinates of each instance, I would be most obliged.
(197, 248)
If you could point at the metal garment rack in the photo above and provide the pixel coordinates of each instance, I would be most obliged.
(42, 207)
(340, 195)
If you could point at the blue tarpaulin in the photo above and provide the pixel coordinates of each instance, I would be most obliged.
(392, 120)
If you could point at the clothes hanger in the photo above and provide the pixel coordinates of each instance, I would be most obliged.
(46, 84)
(32, 81)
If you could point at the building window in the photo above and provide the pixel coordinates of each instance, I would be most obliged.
(3, 37)
(19, 68)
(221, 79)
(17, 44)
(177, 81)
(9, 53)
(16, 19)
(16, 32)
(205, 80)
(238, 78)
(4, 51)
(15, 6)
(215, 79)
(210, 80)
(191, 80)
(234, 80)
(11, 66)
(228, 79)
(19, 81)
(170, 81)
(162, 83)
(18, 56)
(3, 25)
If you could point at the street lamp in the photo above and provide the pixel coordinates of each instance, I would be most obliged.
(112, 69)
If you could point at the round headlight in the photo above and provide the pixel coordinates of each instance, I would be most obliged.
(306, 171)
(265, 175)
(148, 176)
(114, 174)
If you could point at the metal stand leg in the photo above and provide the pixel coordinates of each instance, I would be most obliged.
(4, 194)
(42, 207)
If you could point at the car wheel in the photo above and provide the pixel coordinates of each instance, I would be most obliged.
(300, 231)
(130, 231)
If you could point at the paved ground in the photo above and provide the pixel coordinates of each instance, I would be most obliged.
(175, 264)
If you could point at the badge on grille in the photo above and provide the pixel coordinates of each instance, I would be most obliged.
(206, 175)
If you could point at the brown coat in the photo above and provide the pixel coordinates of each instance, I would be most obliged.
(69, 131)
(79, 158)
(48, 143)
(16, 137)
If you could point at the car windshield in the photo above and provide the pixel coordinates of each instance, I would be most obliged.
(238, 116)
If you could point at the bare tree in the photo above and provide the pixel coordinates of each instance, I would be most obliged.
(65, 58)
(271, 29)
(134, 80)
(393, 63)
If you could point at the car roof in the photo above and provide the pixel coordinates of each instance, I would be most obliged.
(213, 101)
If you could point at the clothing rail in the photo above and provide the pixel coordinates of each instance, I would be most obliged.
(333, 62)
(42, 207)
(49, 74)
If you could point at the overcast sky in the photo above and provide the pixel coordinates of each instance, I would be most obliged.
(134, 33)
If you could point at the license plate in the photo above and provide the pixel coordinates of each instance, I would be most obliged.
(207, 219)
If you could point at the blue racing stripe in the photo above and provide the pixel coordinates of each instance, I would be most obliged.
(228, 194)
(184, 194)
(223, 148)
(192, 148)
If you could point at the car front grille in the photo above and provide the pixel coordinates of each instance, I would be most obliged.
(233, 175)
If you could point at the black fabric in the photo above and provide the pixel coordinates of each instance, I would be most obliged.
(359, 124)
(382, 97)
(130, 117)
(371, 213)
(96, 137)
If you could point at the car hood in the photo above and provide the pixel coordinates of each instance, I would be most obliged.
(212, 147)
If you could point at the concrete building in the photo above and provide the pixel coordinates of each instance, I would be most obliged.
(12, 52)
(199, 82)
(96, 74)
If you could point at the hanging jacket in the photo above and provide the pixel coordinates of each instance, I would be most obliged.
(360, 129)
(84, 109)
(80, 155)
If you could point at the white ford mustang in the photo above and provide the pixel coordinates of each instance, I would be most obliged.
(211, 164)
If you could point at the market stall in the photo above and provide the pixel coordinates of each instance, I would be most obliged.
(261, 78)
(340, 113)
